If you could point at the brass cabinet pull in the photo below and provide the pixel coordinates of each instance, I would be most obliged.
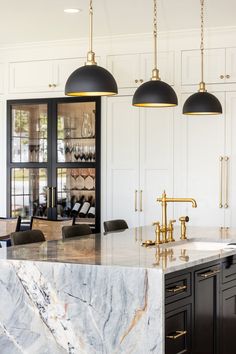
(177, 288)
(209, 274)
(226, 181)
(227, 76)
(141, 201)
(221, 76)
(54, 85)
(135, 200)
(53, 197)
(48, 197)
(141, 80)
(177, 334)
(221, 182)
(136, 81)
(50, 85)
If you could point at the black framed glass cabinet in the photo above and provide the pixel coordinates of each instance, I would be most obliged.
(53, 159)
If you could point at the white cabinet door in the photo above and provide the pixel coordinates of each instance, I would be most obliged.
(230, 65)
(156, 161)
(62, 70)
(1, 78)
(205, 140)
(214, 66)
(165, 65)
(230, 164)
(122, 159)
(31, 76)
(125, 69)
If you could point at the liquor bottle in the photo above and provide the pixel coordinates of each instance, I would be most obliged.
(85, 207)
(91, 212)
(77, 207)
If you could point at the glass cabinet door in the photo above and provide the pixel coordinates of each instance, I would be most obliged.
(28, 192)
(29, 133)
(76, 132)
(75, 189)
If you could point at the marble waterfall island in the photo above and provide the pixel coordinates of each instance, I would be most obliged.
(96, 294)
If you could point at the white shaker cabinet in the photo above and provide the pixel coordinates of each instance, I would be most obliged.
(139, 160)
(219, 66)
(41, 75)
(214, 66)
(1, 78)
(205, 166)
(131, 70)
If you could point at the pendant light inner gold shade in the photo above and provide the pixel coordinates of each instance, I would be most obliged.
(155, 93)
(202, 102)
(91, 79)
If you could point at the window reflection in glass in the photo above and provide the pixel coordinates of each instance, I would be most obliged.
(29, 133)
(28, 192)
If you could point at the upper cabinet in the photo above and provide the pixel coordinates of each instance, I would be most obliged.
(219, 66)
(41, 75)
(131, 70)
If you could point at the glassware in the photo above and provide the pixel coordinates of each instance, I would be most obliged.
(86, 130)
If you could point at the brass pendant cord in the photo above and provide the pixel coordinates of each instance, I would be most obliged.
(91, 54)
(202, 83)
(155, 71)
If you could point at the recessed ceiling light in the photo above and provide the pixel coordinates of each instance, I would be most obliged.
(72, 11)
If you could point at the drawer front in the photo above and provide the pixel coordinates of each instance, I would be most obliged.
(177, 288)
(229, 269)
(178, 330)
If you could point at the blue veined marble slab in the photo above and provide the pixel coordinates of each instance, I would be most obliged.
(58, 308)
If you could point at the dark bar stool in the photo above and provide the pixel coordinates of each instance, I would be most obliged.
(115, 225)
(76, 230)
(24, 237)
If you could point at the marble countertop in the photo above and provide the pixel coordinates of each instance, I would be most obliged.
(124, 249)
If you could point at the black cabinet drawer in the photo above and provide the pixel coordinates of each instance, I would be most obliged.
(178, 330)
(177, 288)
(229, 269)
(228, 321)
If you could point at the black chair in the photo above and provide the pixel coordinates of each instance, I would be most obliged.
(76, 230)
(24, 237)
(115, 225)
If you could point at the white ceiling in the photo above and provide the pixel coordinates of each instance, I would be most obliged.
(31, 20)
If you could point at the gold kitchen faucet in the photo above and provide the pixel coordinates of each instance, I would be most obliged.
(164, 228)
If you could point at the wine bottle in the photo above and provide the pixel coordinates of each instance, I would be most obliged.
(77, 207)
(91, 212)
(85, 207)
(67, 208)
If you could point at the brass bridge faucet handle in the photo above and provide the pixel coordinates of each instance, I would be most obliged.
(158, 232)
(171, 231)
(183, 220)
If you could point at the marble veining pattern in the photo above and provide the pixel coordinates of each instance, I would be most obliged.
(71, 308)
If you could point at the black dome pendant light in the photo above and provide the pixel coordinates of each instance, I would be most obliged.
(91, 79)
(202, 102)
(155, 93)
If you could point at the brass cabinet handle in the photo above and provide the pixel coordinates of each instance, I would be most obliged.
(136, 81)
(48, 197)
(53, 197)
(209, 274)
(135, 200)
(141, 80)
(176, 334)
(227, 76)
(221, 76)
(50, 85)
(221, 181)
(177, 288)
(54, 85)
(226, 181)
(141, 201)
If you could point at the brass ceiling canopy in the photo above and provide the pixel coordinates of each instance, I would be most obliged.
(202, 102)
(91, 79)
(155, 93)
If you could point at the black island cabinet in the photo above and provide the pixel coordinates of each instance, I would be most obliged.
(200, 309)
